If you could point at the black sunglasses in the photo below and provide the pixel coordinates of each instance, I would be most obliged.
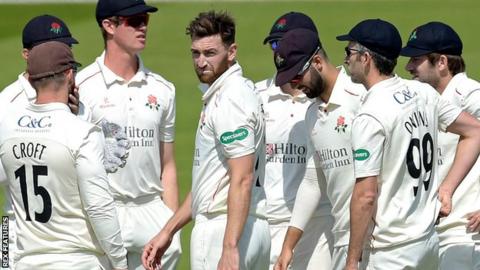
(349, 51)
(135, 21)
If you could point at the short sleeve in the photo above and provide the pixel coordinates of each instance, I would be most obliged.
(235, 123)
(471, 103)
(368, 137)
(167, 128)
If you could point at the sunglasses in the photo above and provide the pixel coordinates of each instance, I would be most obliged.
(304, 69)
(349, 51)
(274, 44)
(135, 21)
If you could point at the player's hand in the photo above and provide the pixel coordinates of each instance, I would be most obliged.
(284, 260)
(351, 266)
(116, 146)
(230, 259)
(445, 198)
(154, 250)
(74, 100)
(473, 224)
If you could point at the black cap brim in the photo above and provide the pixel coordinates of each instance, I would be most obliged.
(286, 76)
(413, 52)
(136, 10)
(346, 37)
(273, 36)
(67, 40)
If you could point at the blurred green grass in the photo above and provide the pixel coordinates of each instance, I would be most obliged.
(167, 51)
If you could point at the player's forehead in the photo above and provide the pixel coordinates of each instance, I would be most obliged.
(213, 42)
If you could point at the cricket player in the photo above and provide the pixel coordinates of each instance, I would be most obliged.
(38, 30)
(302, 61)
(118, 88)
(286, 152)
(53, 160)
(395, 202)
(227, 199)
(435, 52)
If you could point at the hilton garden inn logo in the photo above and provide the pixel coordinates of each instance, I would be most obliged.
(231, 136)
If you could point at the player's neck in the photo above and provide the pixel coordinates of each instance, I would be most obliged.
(373, 79)
(331, 74)
(443, 83)
(49, 95)
(287, 89)
(122, 63)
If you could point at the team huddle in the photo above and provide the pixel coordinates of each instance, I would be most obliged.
(318, 167)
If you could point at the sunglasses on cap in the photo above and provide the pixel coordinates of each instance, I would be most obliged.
(135, 20)
(274, 44)
(304, 69)
(349, 51)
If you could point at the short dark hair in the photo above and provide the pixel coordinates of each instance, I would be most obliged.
(56, 79)
(212, 23)
(456, 64)
(384, 65)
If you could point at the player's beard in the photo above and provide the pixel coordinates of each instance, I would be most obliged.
(213, 73)
(317, 85)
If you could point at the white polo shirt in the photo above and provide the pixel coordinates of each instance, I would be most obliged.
(464, 93)
(395, 138)
(231, 125)
(145, 108)
(329, 127)
(53, 162)
(286, 148)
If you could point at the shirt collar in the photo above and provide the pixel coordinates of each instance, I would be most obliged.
(337, 98)
(27, 87)
(110, 77)
(454, 82)
(274, 91)
(379, 86)
(234, 70)
(54, 106)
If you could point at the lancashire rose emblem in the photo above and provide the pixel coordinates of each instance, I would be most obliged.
(55, 28)
(281, 23)
(341, 126)
(152, 102)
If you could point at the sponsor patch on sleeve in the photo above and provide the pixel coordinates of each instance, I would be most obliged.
(237, 135)
(361, 154)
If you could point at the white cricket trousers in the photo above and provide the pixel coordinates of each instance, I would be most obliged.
(140, 220)
(420, 254)
(207, 242)
(460, 256)
(70, 261)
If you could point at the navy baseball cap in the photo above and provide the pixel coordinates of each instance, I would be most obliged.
(377, 35)
(287, 22)
(433, 37)
(109, 8)
(296, 48)
(46, 28)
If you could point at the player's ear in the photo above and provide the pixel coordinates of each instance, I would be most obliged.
(318, 62)
(109, 26)
(442, 62)
(232, 52)
(25, 53)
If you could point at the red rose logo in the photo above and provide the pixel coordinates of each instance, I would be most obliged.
(152, 102)
(55, 28)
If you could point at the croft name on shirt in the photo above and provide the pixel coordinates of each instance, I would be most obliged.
(30, 150)
(415, 120)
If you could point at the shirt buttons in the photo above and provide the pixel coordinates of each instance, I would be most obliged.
(291, 115)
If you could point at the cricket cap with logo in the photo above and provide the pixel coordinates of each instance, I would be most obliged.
(50, 58)
(378, 36)
(109, 8)
(287, 22)
(296, 48)
(433, 37)
(45, 28)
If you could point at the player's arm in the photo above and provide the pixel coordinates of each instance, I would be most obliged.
(169, 175)
(97, 199)
(362, 207)
(306, 201)
(241, 172)
(155, 248)
(468, 149)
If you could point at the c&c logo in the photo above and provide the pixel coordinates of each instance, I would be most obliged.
(27, 121)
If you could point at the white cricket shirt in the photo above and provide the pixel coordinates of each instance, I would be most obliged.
(329, 127)
(145, 108)
(464, 93)
(286, 148)
(231, 125)
(395, 139)
(54, 164)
